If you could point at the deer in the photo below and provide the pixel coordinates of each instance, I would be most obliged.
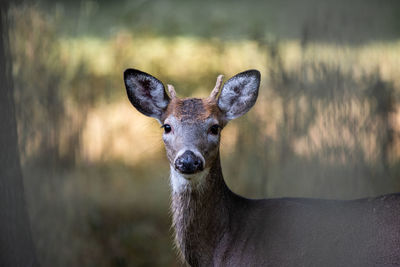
(213, 226)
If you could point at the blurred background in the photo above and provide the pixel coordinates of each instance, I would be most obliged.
(326, 124)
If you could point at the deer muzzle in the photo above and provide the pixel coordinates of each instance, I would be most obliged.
(189, 163)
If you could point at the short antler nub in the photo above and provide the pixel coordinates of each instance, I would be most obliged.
(218, 84)
(171, 91)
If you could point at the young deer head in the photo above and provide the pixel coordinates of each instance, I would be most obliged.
(192, 126)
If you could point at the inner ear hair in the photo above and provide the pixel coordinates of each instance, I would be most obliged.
(146, 93)
(239, 94)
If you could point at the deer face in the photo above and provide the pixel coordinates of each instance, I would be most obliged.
(192, 134)
(192, 126)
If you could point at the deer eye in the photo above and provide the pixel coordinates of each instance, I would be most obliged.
(167, 128)
(215, 129)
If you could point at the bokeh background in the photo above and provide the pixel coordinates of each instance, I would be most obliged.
(326, 124)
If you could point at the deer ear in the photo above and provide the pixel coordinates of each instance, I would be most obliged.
(239, 94)
(146, 93)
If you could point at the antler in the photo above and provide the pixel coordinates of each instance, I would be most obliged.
(171, 91)
(218, 84)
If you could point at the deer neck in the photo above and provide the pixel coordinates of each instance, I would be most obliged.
(200, 213)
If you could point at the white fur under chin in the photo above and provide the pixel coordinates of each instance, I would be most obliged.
(179, 182)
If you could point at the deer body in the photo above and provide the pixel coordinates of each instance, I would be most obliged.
(215, 227)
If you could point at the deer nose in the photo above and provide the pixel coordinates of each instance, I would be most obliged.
(188, 163)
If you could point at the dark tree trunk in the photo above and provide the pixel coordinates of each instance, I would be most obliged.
(16, 245)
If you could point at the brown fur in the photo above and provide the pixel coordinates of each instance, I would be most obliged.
(193, 109)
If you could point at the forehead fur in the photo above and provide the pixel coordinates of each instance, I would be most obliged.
(192, 109)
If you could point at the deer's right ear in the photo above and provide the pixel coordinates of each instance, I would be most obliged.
(146, 93)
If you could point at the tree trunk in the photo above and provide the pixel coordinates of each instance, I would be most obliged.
(16, 245)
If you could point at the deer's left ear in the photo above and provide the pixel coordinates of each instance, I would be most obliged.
(239, 94)
(146, 93)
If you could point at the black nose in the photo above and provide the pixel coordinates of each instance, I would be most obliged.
(188, 163)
